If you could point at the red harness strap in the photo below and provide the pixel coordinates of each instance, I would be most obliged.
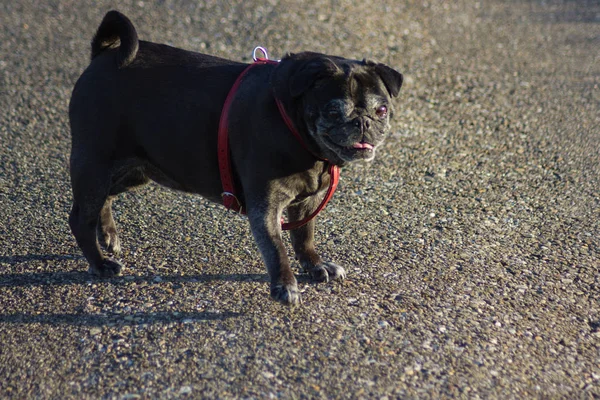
(230, 200)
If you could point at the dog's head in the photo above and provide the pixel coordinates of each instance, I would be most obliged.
(345, 104)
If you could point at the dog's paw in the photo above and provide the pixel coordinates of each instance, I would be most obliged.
(286, 294)
(110, 241)
(109, 268)
(326, 271)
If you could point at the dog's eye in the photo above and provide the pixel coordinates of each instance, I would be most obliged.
(381, 111)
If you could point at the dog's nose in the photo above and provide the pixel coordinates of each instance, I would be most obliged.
(363, 123)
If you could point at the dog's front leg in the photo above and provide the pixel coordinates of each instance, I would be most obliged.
(265, 222)
(303, 241)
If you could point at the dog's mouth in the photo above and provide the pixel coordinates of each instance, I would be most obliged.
(363, 146)
(361, 149)
(358, 151)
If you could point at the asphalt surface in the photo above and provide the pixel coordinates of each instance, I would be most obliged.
(471, 243)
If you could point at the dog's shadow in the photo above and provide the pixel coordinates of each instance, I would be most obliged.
(82, 277)
(142, 318)
(61, 278)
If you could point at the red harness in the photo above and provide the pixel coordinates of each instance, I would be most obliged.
(229, 198)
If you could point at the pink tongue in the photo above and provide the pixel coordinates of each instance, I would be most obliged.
(362, 145)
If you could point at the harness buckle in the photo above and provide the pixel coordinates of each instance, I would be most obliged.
(239, 208)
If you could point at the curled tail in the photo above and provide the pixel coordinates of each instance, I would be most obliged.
(116, 27)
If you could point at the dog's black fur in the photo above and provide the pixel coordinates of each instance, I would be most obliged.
(144, 111)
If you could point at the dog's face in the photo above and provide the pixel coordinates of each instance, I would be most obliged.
(346, 105)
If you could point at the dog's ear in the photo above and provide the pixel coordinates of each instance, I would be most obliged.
(309, 73)
(391, 78)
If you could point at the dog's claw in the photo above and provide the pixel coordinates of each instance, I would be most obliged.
(109, 268)
(335, 271)
(286, 294)
(327, 271)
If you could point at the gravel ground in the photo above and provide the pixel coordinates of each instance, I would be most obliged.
(472, 242)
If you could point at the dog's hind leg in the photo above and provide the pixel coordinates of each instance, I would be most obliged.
(107, 230)
(91, 184)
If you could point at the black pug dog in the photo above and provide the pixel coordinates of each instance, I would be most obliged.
(144, 111)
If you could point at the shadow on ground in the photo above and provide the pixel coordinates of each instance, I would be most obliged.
(83, 277)
(83, 319)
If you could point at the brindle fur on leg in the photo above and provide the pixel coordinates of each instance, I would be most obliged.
(107, 231)
(266, 228)
(127, 176)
